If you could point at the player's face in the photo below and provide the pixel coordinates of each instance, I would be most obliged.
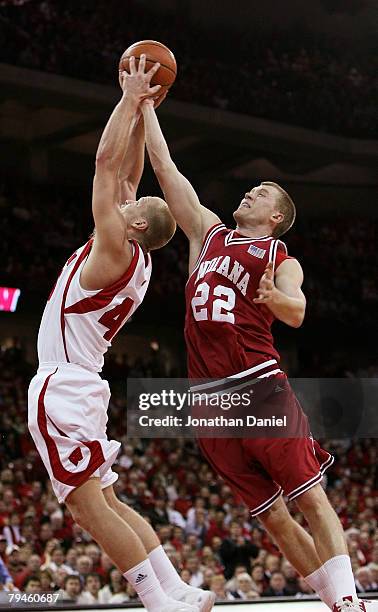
(257, 205)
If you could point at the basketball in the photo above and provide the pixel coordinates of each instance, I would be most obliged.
(155, 52)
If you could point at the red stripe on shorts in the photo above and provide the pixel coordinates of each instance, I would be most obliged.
(73, 479)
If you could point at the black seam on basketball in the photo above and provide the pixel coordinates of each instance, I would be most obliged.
(152, 62)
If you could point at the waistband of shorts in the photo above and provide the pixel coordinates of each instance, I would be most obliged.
(235, 381)
(63, 365)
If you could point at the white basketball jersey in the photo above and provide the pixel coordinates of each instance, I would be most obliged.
(78, 325)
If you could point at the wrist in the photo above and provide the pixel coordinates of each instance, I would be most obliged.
(130, 101)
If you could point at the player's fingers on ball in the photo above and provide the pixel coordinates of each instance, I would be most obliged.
(132, 65)
(153, 70)
(154, 90)
(142, 63)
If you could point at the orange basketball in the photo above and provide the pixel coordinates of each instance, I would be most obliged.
(155, 52)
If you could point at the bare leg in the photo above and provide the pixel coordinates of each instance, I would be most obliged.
(138, 524)
(293, 541)
(89, 509)
(324, 523)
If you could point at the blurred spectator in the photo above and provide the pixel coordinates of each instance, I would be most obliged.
(291, 577)
(72, 589)
(236, 550)
(244, 587)
(277, 586)
(91, 591)
(364, 581)
(116, 590)
(5, 577)
(32, 568)
(218, 586)
(196, 574)
(304, 588)
(33, 585)
(84, 566)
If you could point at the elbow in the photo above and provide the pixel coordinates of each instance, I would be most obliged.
(104, 161)
(297, 322)
(161, 166)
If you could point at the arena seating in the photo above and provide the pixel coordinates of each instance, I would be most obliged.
(292, 76)
(198, 519)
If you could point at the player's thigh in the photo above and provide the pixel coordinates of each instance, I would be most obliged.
(290, 462)
(246, 478)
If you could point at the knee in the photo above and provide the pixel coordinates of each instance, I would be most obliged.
(84, 515)
(313, 503)
(79, 515)
(113, 502)
(275, 518)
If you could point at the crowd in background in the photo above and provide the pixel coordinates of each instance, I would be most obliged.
(293, 76)
(206, 531)
(299, 78)
(61, 218)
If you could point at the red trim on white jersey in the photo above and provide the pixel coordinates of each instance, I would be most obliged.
(59, 471)
(81, 258)
(104, 296)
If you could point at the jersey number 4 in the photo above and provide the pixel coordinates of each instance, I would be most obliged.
(113, 319)
(221, 307)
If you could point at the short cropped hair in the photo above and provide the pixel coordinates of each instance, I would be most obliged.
(161, 225)
(286, 206)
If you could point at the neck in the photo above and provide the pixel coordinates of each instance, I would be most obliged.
(254, 232)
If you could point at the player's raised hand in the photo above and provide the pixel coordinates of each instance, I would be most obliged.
(136, 83)
(267, 288)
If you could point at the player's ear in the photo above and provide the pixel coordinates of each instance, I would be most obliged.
(140, 224)
(277, 217)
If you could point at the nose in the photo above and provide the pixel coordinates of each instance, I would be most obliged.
(247, 194)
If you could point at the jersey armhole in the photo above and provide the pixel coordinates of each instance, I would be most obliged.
(278, 253)
(211, 232)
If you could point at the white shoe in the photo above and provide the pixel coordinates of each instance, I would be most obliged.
(173, 605)
(348, 604)
(203, 600)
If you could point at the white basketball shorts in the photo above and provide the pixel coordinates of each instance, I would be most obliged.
(67, 417)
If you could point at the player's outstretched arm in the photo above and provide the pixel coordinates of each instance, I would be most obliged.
(193, 218)
(132, 165)
(281, 292)
(109, 222)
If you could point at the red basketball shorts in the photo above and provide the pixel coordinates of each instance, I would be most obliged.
(259, 470)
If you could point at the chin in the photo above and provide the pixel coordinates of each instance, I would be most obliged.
(236, 214)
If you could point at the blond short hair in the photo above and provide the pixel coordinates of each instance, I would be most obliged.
(286, 206)
(161, 225)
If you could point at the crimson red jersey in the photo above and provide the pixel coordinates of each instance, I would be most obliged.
(226, 332)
